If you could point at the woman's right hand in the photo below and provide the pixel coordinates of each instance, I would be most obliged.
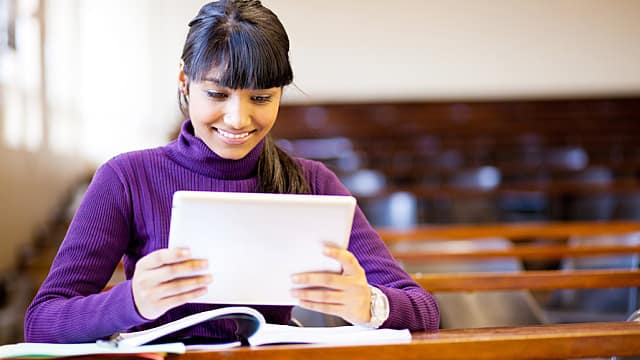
(165, 279)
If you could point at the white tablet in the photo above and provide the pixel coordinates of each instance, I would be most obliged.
(255, 242)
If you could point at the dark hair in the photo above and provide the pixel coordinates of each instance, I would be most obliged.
(247, 42)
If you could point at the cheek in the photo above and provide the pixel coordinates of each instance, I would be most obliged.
(202, 110)
(267, 117)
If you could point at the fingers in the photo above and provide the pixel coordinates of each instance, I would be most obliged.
(333, 309)
(350, 265)
(352, 273)
(162, 257)
(153, 298)
(166, 264)
(352, 306)
(182, 285)
(167, 278)
(181, 269)
(346, 295)
(326, 280)
(320, 295)
(177, 300)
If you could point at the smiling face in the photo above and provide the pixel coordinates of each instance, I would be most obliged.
(230, 121)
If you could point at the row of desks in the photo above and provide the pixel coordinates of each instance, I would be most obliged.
(557, 341)
(526, 342)
(585, 340)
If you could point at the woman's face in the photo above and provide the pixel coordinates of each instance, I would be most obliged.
(231, 121)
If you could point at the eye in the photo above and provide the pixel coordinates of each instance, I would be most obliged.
(216, 95)
(261, 99)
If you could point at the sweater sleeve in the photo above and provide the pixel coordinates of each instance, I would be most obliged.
(70, 306)
(410, 306)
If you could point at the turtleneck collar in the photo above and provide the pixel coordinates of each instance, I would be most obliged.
(192, 153)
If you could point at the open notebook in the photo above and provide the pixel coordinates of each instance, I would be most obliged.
(252, 331)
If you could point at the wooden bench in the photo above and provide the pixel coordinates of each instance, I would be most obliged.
(529, 280)
(516, 189)
(512, 231)
(525, 342)
(474, 266)
(555, 234)
(413, 138)
(517, 233)
(525, 252)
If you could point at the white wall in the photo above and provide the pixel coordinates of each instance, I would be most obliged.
(367, 50)
(112, 66)
(426, 49)
(358, 50)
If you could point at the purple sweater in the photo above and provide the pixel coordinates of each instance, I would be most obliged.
(125, 215)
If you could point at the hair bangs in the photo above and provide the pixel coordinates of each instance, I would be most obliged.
(242, 59)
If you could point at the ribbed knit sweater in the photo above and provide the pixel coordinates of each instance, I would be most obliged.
(125, 214)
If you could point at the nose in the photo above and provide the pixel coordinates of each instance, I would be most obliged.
(237, 113)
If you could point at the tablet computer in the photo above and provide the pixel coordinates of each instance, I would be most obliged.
(254, 242)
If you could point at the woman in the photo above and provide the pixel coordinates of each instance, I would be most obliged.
(234, 66)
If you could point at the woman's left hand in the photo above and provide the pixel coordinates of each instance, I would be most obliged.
(346, 295)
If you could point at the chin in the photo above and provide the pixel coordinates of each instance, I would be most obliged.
(232, 154)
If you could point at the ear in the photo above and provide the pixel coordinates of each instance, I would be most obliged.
(183, 80)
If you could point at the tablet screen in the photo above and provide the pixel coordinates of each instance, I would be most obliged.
(254, 242)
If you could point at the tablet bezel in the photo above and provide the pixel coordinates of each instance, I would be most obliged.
(262, 245)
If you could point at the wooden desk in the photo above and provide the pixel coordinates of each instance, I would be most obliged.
(527, 342)
(531, 252)
(529, 280)
(512, 231)
(518, 233)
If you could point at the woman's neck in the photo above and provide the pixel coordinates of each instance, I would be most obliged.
(191, 152)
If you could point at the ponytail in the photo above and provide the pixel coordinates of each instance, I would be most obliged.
(278, 172)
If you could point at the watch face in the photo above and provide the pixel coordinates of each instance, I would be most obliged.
(379, 308)
(376, 305)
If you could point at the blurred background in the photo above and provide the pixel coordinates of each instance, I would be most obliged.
(430, 111)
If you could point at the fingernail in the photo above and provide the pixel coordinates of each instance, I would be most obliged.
(296, 278)
(184, 252)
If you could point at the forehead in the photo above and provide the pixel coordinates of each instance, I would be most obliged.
(214, 75)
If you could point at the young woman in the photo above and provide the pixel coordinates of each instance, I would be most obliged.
(235, 64)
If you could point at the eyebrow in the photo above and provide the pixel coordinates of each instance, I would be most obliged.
(213, 80)
(217, 82)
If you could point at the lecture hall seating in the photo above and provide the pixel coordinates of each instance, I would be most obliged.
(550, 155)
(480, 285)
(519, 138)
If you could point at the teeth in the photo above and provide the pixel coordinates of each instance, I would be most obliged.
(232, 136)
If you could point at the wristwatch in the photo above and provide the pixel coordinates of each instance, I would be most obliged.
(379, 308)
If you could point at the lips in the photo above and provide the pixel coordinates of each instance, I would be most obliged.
(234, 137)
(230, 135)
